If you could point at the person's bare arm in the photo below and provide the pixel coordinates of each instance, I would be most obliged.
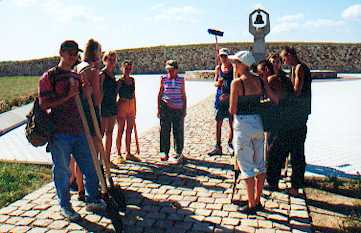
(92, 84)
(234, 96)
(184, 99)
(298, 80)
(276, 86)
(270, 93)
(161, 89)
(47, 102)
(217, 82)
(101, 77)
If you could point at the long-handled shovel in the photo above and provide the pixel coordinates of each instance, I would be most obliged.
(236, 175)
(115, 191)
(136, 138)
(110, 201)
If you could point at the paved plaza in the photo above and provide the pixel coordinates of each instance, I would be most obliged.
(191, 197)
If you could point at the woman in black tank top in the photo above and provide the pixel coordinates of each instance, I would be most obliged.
(108, 105)
(246, 92)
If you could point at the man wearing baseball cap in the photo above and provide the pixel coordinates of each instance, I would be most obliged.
(57, 88)
(223, 79)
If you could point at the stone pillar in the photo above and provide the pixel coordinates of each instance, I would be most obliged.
(259, 33)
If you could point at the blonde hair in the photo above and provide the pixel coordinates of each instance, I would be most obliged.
(91, 49)
(108, 54)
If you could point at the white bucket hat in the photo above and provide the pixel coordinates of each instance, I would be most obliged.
(245, 57)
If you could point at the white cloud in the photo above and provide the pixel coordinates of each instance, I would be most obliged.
(287, 23)
(184, 14)
(291, 18)
(352, 13)
(62, 12)
(290, 23)
(323, 23)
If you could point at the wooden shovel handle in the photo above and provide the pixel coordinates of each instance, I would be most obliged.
(99, 142)
(136, 138)
(91, 144)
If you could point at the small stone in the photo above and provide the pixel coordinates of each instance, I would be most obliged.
(203, 212)
(8, 210)
(3, 218)
(206, 199)
(249, 222)
(214, 206)
(37, 230)
(212, 219)
(31, 213)
(194, 218)
(263, 230)
(24, 221)
(220, 213)
(198, 205)
(230, 221)
(244, 229)
(230, 208)
(264, 223)
(42, 207)
(42, 222)
(58, 225)
(222, 201)
(20, 229)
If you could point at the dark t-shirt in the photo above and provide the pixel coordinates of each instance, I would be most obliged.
(55, 84)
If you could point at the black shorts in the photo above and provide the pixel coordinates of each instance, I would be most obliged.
(109, 110)
(222, 112)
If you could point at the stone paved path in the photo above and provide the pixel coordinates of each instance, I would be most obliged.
(193, 197)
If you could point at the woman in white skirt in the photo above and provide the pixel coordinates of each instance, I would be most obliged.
(247, 91)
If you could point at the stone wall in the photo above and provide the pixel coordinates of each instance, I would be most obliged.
(342, 57)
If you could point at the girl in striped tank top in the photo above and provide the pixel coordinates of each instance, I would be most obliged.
(172, 107)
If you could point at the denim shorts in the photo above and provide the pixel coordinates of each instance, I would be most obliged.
(248, 143)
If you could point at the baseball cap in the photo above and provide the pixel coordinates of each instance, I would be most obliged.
(224, 51)
(171, 64)
(245, 57)
(70, 45)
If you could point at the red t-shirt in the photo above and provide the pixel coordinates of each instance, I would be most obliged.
(66, 116)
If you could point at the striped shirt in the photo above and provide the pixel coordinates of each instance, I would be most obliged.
(173, 91)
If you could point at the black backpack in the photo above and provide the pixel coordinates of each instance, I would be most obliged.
(39, 126)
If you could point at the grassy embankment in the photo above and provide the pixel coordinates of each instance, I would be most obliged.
(17, 90)
(17, 180)
(334, 204)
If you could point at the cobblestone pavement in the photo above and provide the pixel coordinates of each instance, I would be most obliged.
(192, 197)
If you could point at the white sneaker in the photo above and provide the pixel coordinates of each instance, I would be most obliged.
(96, 206)
(175, 159)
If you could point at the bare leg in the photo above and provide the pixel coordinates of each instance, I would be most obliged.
(108, 130)
(128, 133)
(260, 178)
(230, 132)
(219, 132)
(250, 183)
(79, 178)
(121, 123)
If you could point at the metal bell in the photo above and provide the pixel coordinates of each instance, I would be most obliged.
(259, 19)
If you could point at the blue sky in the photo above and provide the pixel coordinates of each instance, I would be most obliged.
(35, 28)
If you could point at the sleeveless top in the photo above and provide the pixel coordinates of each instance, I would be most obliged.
(227, 80)
(225, 88)
(302, 103)
(126, 91)
(248, 104)
(173, 91)
(109, 90)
